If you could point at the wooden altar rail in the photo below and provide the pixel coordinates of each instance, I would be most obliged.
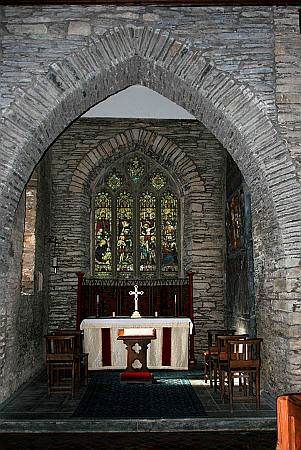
(171, 297)
(289, 422)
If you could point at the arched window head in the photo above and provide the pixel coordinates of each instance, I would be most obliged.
(136, 221)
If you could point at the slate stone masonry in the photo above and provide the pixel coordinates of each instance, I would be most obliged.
(203, 253)
(59, 61)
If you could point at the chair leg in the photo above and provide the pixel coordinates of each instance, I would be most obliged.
(216, 371)
(86, 369)
(49, 379)
(206, 363)
(230, 383)
(211, 371)
(73, 374)
(222, 382)
(257, 375)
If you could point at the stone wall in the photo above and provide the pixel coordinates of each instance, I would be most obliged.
(286, 310)
(59, 61)
(238, 39)
(27, 316)
(70, 218)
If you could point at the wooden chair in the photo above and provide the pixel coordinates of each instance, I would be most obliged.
(222, 357)
(210, 355)
(63, 363)
(79, 336)
(243, 363)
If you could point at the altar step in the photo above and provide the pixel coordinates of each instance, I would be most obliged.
(15, 425)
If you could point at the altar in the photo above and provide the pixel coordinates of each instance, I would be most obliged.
(168, 351)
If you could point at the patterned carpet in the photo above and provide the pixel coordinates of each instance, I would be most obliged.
(170, 396)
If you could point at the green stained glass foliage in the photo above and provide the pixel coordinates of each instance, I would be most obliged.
(147, 243)
(158, 181)
(169, 215)
(136, 169)
(114, 180)
(125, 246)
(103, 234)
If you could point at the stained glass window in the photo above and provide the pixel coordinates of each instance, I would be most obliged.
(169, 218)
(147, 246)
(136, 169)
(114, 180)
(103, 233)
(136, 221)
(125, 244)
(233, 224)
(158, 181)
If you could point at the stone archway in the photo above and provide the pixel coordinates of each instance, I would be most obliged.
(165, 150)
(229, 109)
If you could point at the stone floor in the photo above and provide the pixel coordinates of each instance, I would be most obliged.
(265, 440)
(48, 424)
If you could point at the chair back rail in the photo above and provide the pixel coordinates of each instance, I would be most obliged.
(244, 353)
(222, 341)
(212, 336)
(61, 344)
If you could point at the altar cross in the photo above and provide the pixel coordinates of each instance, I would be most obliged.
(135, 293)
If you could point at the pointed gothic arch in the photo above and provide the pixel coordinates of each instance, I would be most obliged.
(229, 109)
(142, 55)
(154, 146)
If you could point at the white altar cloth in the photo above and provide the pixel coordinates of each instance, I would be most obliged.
(180, 329)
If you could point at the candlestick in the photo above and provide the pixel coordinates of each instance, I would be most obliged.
(156, 313)
(113, 314)
(175, 304)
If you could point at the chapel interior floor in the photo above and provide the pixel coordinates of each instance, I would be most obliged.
(30, 408)
(265, 440)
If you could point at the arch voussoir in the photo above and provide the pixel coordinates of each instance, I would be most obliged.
(125, 56)
(166, 152)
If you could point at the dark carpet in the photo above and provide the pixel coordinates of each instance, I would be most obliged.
(170, 396)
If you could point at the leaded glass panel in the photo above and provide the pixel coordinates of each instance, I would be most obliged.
(103, 233)
(136, 169)
(169, 218)
(158, 181)
(114, 180)
(125, 244)
(147, 244)
(136, 220)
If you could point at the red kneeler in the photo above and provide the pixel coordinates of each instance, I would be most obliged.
(136, 377)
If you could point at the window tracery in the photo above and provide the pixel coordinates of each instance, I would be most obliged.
(136, 221)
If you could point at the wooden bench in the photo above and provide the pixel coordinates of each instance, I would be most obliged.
(289, 422)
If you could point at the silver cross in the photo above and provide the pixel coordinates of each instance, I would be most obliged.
(136, 293)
